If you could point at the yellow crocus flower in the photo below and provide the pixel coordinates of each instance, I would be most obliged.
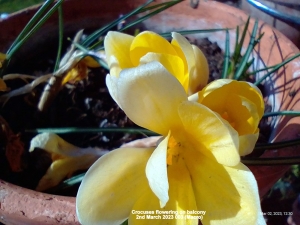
(196, 167)
(183, 60)
(80, 70)
(240, 103)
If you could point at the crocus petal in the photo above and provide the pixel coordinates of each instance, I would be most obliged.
(78, 72)
(182, 196)
(149, 95)
(182, 200)
(114, 68)
(143, 142)
(54, 144)
(252, 92)
(236, 107)
(229, 195)
(200, 73)
(112, 86)
(186, 47)
(226, 97)
(198, 70)
(247, 143)
(112, 185)
(156, 172)
(117, 48)
(63, 168)
(213, 86)
(245, 89)
(213, 136)
(148, 41)
(172, 63)
(194, 97)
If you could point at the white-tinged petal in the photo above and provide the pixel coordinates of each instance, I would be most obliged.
(147, 142)
(257, 97)
(156, 172)
(209, 133)
(54, 144)
(194, 97)
(193, 65)
(199, 74)
(149, 95)
(114, 68)
(112, 86)
(186, 47)
(117, 50)
(229, 195)
(112, 185)
(255, 118)
(182, 198)
(172, 63)
(247, 143)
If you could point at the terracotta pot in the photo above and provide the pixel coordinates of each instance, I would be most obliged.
(291, 31)
(20, 206)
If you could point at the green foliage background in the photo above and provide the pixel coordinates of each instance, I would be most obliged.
(9, 6)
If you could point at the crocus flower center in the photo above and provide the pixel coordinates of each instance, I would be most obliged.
(226, 116)
(173, 151)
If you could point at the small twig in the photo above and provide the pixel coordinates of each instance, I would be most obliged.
(55, 83)
(25, 89)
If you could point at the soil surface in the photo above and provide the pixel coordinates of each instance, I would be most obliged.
(86, 104)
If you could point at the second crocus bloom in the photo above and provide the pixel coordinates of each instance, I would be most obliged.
(240, 103)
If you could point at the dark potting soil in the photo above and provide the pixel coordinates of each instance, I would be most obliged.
(86, 104)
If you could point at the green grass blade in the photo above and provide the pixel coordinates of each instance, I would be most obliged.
(271, 161)
(87, 52)
(276, 67)
(277, 145)
(125, 222)
(155, 6)
(91, 130)
(99, 45)
(60, 37)
(236, 46)
(31, 23)
(67, 183)
(239, 45)
(166, 6)
(244, 72)
(227, 56)
(95, 35)
(282, 113)
(187, 32)
(249, 50)
(35, 28)
(260, 70)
